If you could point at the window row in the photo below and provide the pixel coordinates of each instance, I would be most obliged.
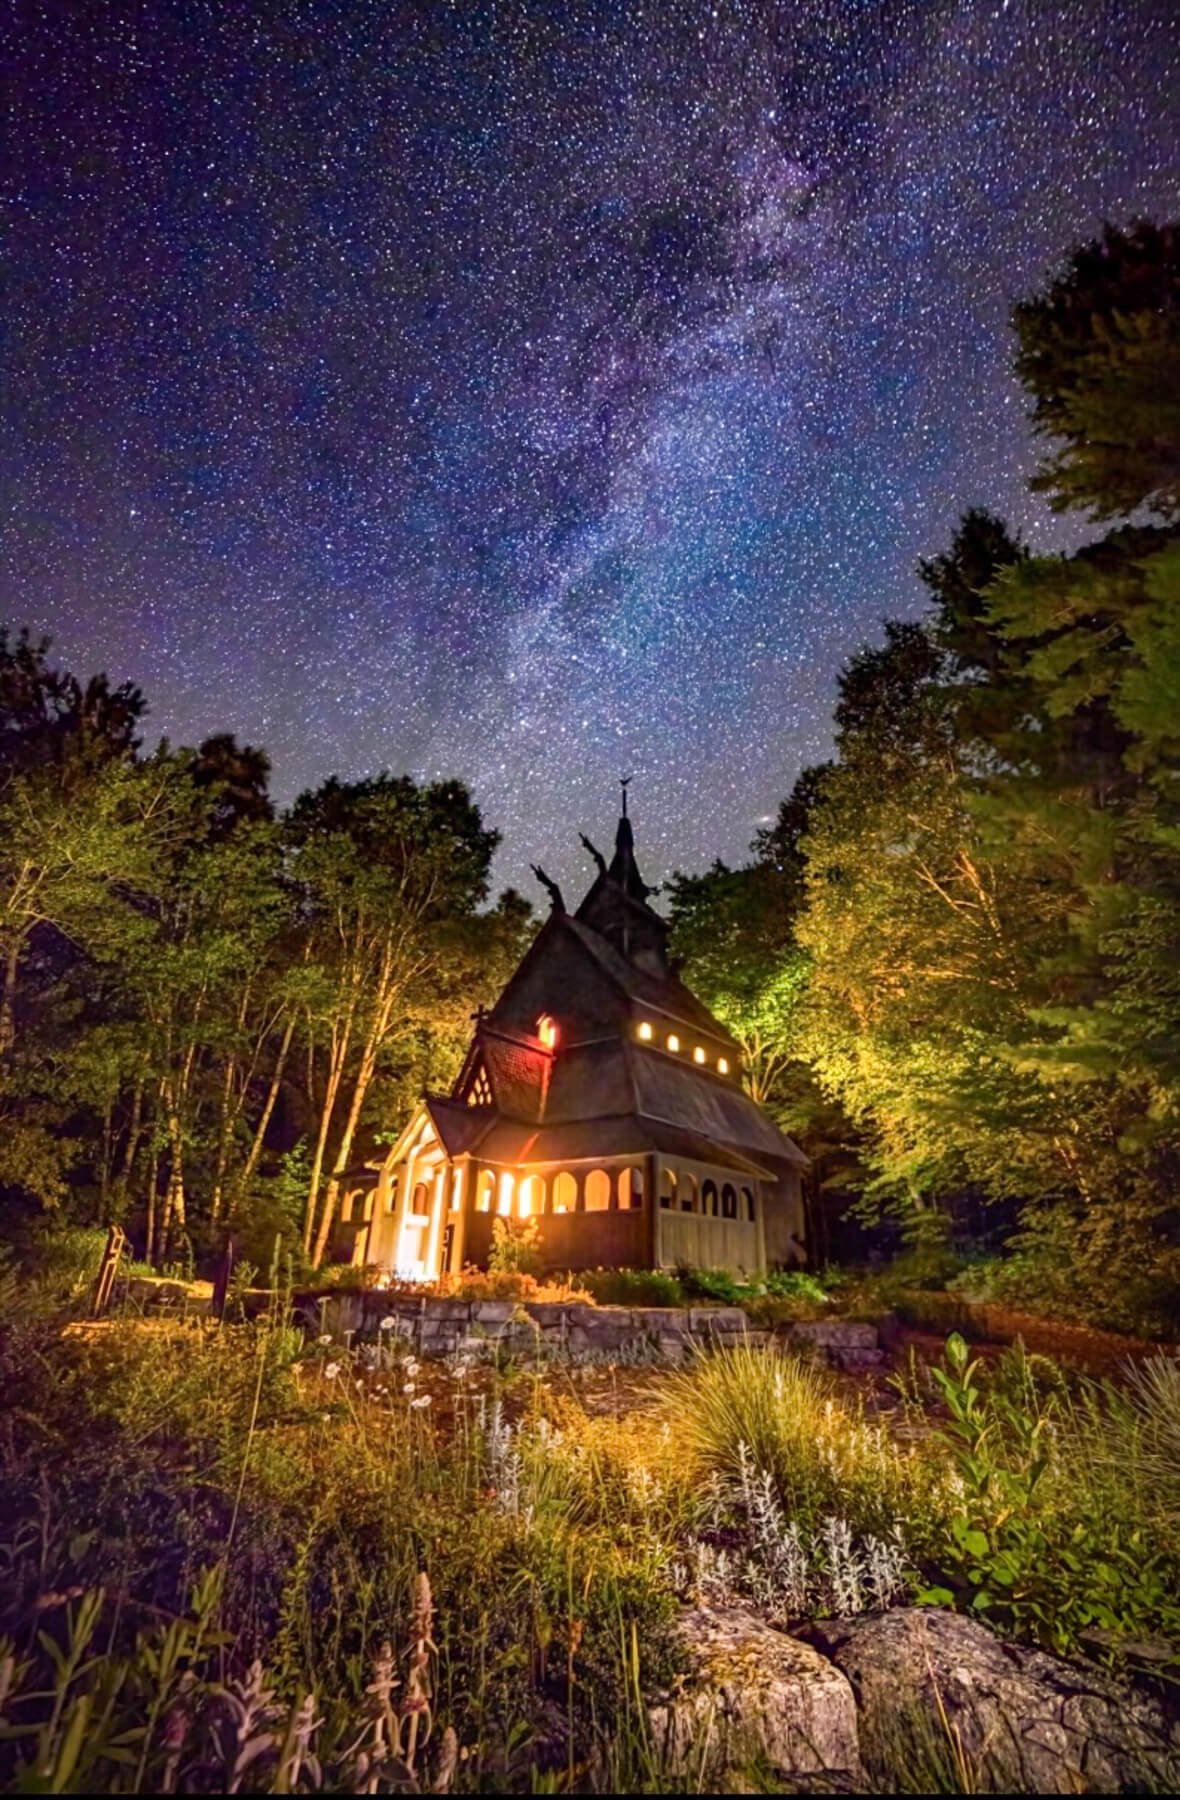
(593, 1190)
(683, 1193)
(645, 1031)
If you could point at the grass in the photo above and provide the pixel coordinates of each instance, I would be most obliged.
(260, 1496)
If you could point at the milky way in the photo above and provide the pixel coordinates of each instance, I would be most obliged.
(535, 393)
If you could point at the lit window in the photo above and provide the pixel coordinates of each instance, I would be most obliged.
(645, 1032)
(547, 1031)
(673, 1041)
(698, 1054)
(722, 1065)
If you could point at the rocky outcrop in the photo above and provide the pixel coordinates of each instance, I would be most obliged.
(754, 1699)
(995, 1715)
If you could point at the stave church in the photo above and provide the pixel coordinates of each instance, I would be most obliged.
(600, 1097)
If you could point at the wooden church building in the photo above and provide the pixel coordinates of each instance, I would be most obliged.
(599, 1096)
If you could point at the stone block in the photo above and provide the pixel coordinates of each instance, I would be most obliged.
(835, 1334)
(755, 1699)
(492, 1312)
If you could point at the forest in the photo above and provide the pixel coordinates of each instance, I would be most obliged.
(953, 961)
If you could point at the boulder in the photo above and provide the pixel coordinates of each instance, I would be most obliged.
(753, 1698)
(1004, 1717)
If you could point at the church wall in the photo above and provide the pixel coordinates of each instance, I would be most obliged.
(609, 1240)
(784, 1221)
(698, 1241)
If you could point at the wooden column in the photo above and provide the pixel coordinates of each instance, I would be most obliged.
(655, 1235)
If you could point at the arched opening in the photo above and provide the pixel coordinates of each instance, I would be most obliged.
(530, 1197)
(456, 1189)
(668, 1188)
(689, 1194)
(505, 1193)
(630, 1188)
(483, 1193)
(391, 1194)
(709, 1199)
(598, 1187)
(420, 1200)
(565, 1192)
(748, 1203)
(728, 1202)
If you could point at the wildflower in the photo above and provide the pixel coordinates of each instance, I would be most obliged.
(331, 1370)
(325, 1339)
(409, 1387)
(388, 1322)
(422, 1400)
(411, 1366)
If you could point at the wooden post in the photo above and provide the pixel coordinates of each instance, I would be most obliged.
(108, 1268)
(655, 1236)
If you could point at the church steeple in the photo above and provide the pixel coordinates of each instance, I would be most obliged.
(617, 905)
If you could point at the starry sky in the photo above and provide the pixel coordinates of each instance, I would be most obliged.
(534, 393)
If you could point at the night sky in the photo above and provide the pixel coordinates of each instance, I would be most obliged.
(535, 393)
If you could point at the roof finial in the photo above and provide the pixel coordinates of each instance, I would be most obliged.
(624, 783)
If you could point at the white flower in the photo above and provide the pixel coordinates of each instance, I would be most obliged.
(326, 1339)
(422, 1400)
(411, 1366)
(388, 1322)
(331, 1370)
(408, 1387)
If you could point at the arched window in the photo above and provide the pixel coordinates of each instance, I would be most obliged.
(530, 1196)
(456, 1189)
(565, 1192)
(728, 1202)
(420, 1199)
(748, 1203)
(483, 1195)
(391, 1194)
(709, 1199)
(598, 1191)
(668, 1188)
(689, 1194)
(505, 1193)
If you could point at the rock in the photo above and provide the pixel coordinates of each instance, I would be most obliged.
(754, 1697)
(1017, 1719)
(835, 1334)
(708, 1321)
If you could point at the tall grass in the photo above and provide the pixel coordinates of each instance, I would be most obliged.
(783, 1416)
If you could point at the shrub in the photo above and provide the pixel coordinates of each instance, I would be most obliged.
(1031, 1541)
(516, 1247)
(632, 1287)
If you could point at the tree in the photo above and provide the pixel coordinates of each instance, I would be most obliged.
(390, 874)
(1100, 356)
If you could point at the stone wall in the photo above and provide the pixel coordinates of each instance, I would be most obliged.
(438, 1327)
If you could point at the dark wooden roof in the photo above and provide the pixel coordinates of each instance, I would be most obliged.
(600, 1091)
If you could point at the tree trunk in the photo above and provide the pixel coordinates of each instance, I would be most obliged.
(122, 1181)
(344, 1150)
(260, 1130)
(151, 1247)
(9, 965)
(331, 1092)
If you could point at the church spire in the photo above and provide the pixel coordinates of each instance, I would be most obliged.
(624, 869)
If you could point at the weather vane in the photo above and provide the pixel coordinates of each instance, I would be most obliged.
(624, 783)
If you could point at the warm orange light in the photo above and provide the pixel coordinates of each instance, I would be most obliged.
(645, 1032)
(673, 1041)
(547, 1031)
(722, 1065)
(698, 1054)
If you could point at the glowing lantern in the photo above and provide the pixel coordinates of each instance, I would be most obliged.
(547, 1031)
